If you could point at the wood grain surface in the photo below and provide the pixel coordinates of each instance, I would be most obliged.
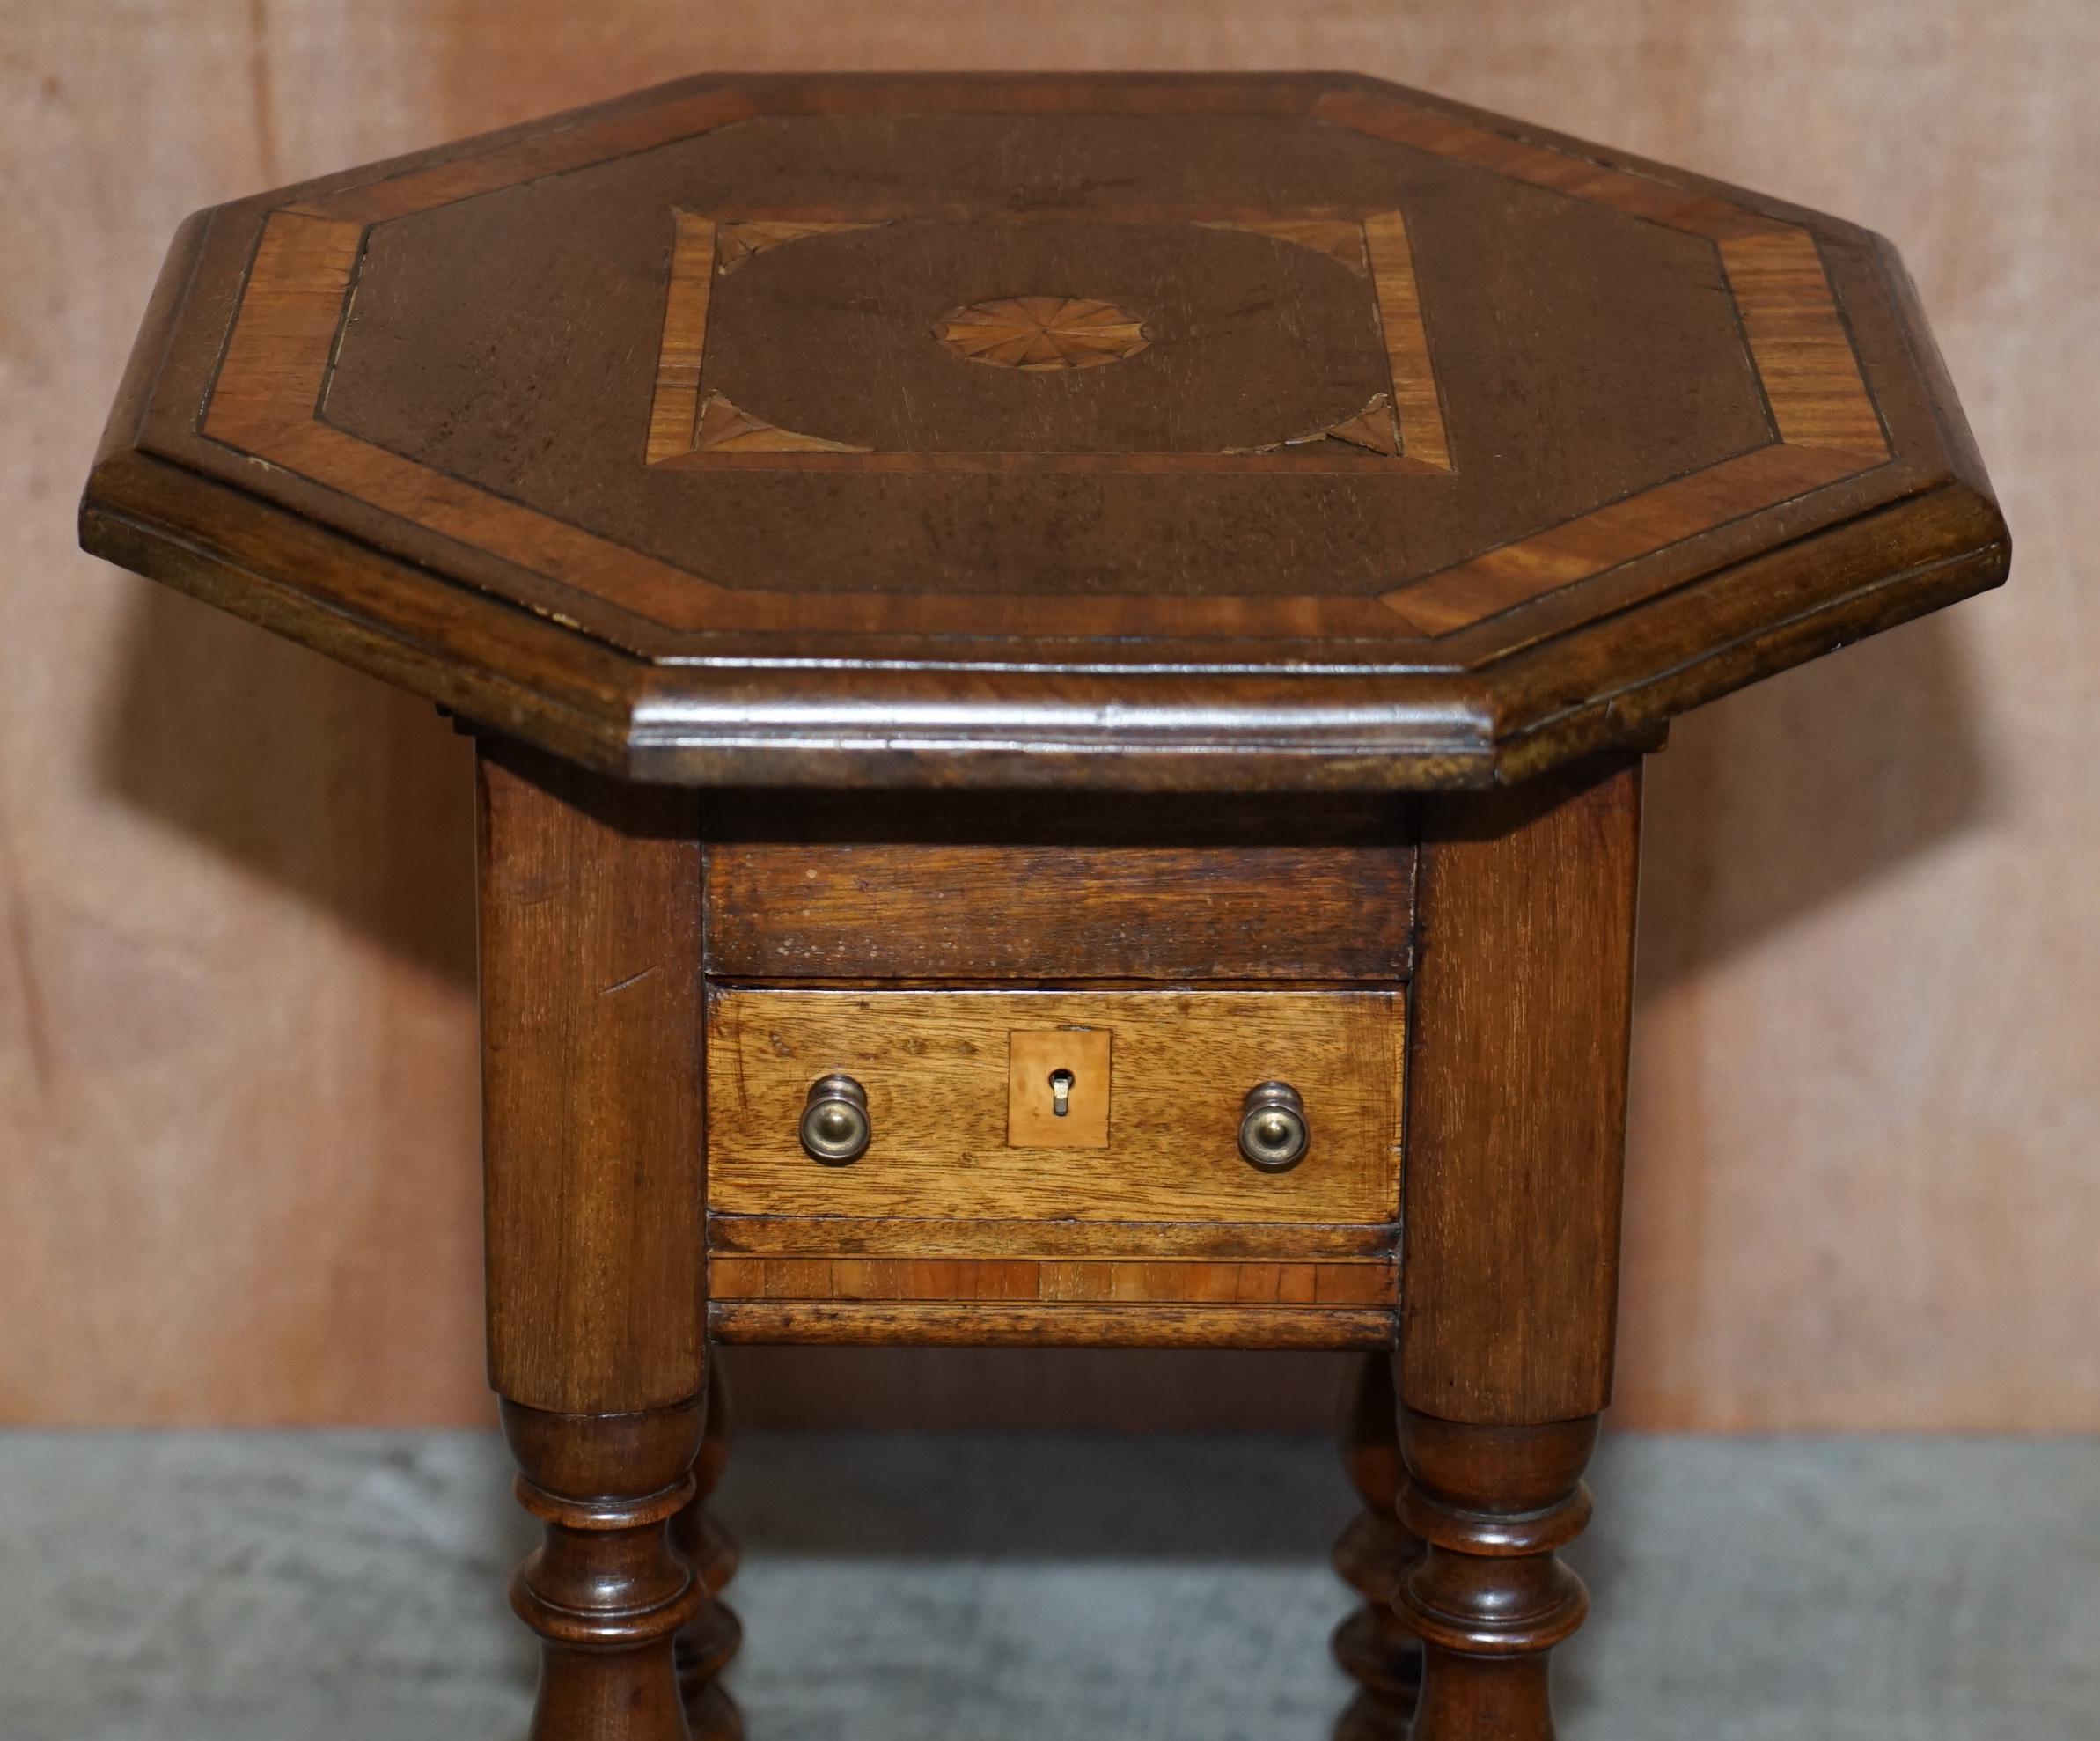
(590, 995)
(237, 1064)
(935, 1066)
(1057, 1087)
(1139, 1282)
(786, 909)
(1511, 1210)
(898, 1235)
(1061, 1324)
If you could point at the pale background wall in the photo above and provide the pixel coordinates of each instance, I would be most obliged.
(237, 1144)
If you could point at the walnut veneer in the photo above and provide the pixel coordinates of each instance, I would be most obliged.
(1061, 669)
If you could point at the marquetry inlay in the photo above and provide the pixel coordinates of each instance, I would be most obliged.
(1374, 429)
(736, 243)
(1401, 427)
(1339, 238)
(801, 363)
(1042, 332)
(723, 428)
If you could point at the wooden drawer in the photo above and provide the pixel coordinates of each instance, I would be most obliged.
(935, 1066)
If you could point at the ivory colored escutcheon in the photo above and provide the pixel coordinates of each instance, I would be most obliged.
(936, 1067)
(1036, 1058)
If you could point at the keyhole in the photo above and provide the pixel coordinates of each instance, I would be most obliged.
(1061, 1093)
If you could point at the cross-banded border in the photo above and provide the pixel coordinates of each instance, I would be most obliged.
(1827, 424)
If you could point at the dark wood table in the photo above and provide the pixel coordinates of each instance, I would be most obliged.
(1061, 669)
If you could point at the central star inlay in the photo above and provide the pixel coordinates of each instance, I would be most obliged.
(1042, 332)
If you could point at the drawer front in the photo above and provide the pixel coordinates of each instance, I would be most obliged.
(1005, 913)
(939, 1071)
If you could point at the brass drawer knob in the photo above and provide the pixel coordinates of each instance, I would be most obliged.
(834, 1121)
(1273, 1134)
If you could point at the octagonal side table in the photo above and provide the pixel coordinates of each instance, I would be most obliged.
(1061, 668)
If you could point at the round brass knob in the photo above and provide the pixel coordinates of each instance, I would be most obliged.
(1273, 1134)
(834, 1121)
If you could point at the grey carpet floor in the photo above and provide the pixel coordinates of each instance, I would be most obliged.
(347, 1587)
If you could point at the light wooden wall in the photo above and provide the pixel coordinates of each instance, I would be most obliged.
(237, 1074)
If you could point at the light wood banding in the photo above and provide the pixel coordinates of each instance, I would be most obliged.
(1189, 1282)
(1517, 573)
(1415, 406)
(920, 1325)
(933, 1237)
(1582, 175)
(1803, 354)
(674, 410)
(276, 361)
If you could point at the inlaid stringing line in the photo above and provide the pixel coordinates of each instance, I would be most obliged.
(674, 408)
(1416, 408)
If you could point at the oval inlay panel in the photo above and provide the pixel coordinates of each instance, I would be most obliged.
(1247, 340)
(1042, 332)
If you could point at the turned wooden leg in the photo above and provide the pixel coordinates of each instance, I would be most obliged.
(1374, 1644)
(710, 1639)
(607, 1592)
(1509, 1225)
(592, 1146)
(1489, 1599)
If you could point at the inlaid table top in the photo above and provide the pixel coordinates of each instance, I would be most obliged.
(1148, 432)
